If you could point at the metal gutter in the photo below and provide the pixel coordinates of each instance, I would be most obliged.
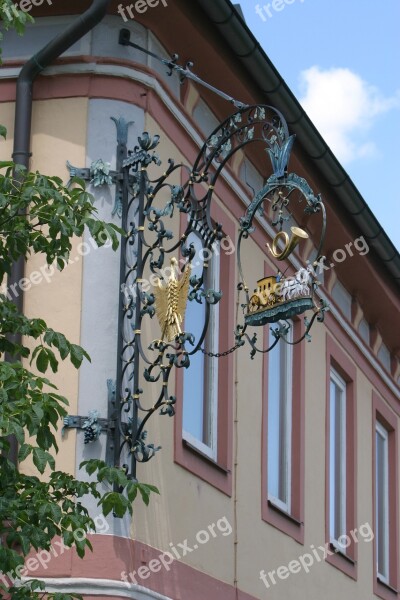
(248, 51)
(23, 121)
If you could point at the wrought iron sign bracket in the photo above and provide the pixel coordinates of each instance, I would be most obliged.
(78, 422)
(147, 208)
(93, 425)
(147, 203)
(183, 72)
(100, 173)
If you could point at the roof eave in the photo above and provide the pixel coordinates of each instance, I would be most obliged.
(247, 49)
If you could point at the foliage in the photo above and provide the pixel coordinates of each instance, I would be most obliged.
(39, 215)
(13, 18)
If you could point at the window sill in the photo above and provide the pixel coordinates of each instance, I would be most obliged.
(282, 520)
(341, 561)
(204, 456)
(339, 552)
(285, 514)
(387, 585)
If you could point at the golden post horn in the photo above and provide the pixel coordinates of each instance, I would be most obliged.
(297, 235)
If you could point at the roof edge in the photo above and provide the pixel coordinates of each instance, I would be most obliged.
(232, 27)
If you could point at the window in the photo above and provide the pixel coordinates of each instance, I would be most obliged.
(342, 298)
(382, 502)
(384, 357)
(205, 118)
(200, 380)
(203, 423)
(337, 458)
(341, 459)
(282, 478)
(250, 176)
(280, 423)
(363, 330)
(385, 497)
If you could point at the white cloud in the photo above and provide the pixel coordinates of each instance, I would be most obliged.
(343, 107)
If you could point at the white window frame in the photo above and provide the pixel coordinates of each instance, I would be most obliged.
(211, 343)
(340, 383)
(286, 506)
(383, 432)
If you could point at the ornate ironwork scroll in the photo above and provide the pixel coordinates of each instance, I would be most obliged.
(148, 210)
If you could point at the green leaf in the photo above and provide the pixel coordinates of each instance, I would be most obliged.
(3, 131)
(52, 359)
(41, 459)
(77, 355)
(42, 361)
(24, 452)
(91, 465)
(68, 537)
(151, 488)
(61, 344)
(116, 503)
(37, 415)
(144, 493)
(131, 491)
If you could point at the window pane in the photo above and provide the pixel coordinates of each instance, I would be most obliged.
(382, 503)
(337, 457)
(193, 377)
(279, 422)
(200, 380)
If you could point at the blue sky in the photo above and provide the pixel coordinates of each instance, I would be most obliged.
(341, 60)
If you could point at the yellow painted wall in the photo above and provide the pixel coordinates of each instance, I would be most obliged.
(58, 134)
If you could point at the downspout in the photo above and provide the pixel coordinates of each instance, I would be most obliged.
(23, 122)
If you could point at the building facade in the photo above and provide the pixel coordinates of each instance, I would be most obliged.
(278, 475)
